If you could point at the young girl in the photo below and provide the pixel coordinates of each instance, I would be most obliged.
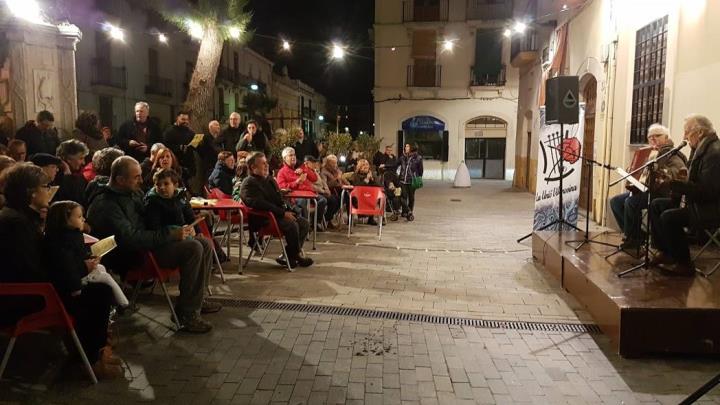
(70, 256)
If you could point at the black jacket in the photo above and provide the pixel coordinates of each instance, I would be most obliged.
(263, 194)
(163, 212)
(72, 187)
(259, 144)
(37, 141)
(228, 138)
(307, 147)
(702, 190)
(93, 187)
(175, 138)
(65, 252)
(20, 249)
(131, 130)
(222, 178)
(120, 213)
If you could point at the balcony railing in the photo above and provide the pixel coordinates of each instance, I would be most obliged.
(414, 11)
(159, 86)
(525, 43)
(227, 74)
(487, 79)
(424, 75)
(489, 9)
(104, 74)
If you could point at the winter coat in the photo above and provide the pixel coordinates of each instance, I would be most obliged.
(286, 178)
(65, 253)
(358, 179)
(263, 194)
(20, 250)
(94, 187)
(702, 190)
(670, 166)
(148, 133)
(411, 166)
(175, 138)
(331, 178)
(307, 147)
(122, 213)
(72, 187)
(222, 178)
(228, 139)
(93, 140)
(161, 212)
(259, 143)
(37, 141)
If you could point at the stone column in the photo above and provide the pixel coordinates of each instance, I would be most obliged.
(40, 63)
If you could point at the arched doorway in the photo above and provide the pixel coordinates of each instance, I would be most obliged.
(485, 138)
(589, 96)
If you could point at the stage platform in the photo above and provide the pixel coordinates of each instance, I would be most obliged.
(644, 312)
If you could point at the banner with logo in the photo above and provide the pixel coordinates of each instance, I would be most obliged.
(556, 149)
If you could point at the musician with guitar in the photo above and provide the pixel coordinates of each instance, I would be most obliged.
(627, 207)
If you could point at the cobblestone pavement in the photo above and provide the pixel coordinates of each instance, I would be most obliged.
(472, 268)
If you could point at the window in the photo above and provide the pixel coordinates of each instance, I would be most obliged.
(649, 78)
(430, 143)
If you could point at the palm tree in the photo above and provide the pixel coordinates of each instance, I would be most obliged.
(212, 22)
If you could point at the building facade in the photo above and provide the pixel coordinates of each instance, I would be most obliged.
(444, 81)
(639, 62)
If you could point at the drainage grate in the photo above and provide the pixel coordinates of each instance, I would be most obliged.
(455, 200)
(411, 317)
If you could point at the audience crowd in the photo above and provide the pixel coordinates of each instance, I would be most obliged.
(57, 196)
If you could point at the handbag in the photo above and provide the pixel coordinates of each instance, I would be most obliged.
(417, 182)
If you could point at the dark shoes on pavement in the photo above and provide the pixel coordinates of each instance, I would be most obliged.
(661, 259)
(194, 324)
(299, 261)
(682, 269)
(210, 307)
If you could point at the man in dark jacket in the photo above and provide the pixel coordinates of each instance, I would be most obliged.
(304, 146)
(254, 141)
(136, 136)
(701, 192)
(178, 138)
(231, 135)
(70, 179)
(40, 136)
(118, 210)
(261, 192)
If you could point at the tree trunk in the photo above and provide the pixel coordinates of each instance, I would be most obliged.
(202, 84)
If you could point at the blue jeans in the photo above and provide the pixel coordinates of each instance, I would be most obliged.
(627, 209)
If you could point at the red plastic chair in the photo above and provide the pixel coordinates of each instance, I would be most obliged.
(270, 231)
(53, 315)
(151, 270)
(205, 231)
(370, 201)
(235, 219)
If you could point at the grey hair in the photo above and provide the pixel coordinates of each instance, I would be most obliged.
(156, 147)
(287, 151)
(330, 157)
(71, 147)
(143, 104)
(103, 159)
(658, 129)
(701, 122)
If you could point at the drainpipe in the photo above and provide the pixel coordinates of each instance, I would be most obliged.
(607, 134)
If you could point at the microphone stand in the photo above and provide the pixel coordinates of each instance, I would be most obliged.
(561, 218)
(650, 165)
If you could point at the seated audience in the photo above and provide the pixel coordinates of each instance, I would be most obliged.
(299, 178)
(223, 173)
(322, 189)
(102, 161)
(363, 176)
(253, 141)
(147, 164)
(40, 136)
(627, 207)
(71, 268)
(18, 151)
(50, 164)
(166, 204)
(118, 210)
(332, 174)
(69, 178)
(261, 192)
(701, 193)
(87, 131)
(241, 172)
(5, 163)
(164, 159)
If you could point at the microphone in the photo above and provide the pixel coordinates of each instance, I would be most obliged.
(677, 148)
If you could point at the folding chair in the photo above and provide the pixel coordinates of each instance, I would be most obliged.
(370, 201)
(151, 270)
(271, 230)
(53, 315)
(205, 231)
(713, 239)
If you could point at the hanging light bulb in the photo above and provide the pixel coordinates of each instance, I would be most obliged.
(520, 27)
(448, 45)
(114, 32)
(338, 52)
(195, 29)
(285, 45)
(235, 32)
(162, 38)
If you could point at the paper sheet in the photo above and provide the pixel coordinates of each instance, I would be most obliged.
(103, 246)
(197, 140)
(635, 182)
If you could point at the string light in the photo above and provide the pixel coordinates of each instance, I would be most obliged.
(338, 52)
(254, 87)
(285, 45)
(235, 32)
(448, 45)
(114, 32)
(321, 117)
(392, 49)
(520, 27)
(162, 38)
(194, 29)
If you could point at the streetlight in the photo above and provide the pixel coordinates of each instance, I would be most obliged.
(321, 117)
(114, 32)
(520, 27)
(254, 87)
(448, 45)
(347, 129)
(162, 38)
(285, 45)
(338, 52)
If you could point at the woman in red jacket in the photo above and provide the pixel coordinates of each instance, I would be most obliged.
(300, 179)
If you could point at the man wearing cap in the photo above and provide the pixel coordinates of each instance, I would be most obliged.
(49, 163)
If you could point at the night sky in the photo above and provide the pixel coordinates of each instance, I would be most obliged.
(311, 25)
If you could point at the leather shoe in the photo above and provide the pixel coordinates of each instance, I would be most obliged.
(281, 260)
(661, 258)
(304, 261)
(210, 307)
(684, 269)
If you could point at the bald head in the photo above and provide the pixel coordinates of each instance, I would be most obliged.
(214, 128)
(125, 174)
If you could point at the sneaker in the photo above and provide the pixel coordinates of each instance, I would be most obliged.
(281, 260)
(195, 324)
(106, 371)
(210, 307)
(410, 216)
(304, 261)
(394, 217)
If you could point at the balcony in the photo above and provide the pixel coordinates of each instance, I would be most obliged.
(489, 9)
(104, 74)
(421, 75)
(226, 74)
(495, 79)
(158, 86)
(414, 11)
(524, 49)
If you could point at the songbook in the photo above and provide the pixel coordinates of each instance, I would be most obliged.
(103, 246)
(632, 180)
(197, 140)
(197, 202)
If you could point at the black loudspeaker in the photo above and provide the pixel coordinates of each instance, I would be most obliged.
(562, 101)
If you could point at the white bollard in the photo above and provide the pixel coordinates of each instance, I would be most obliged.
(462, 176)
